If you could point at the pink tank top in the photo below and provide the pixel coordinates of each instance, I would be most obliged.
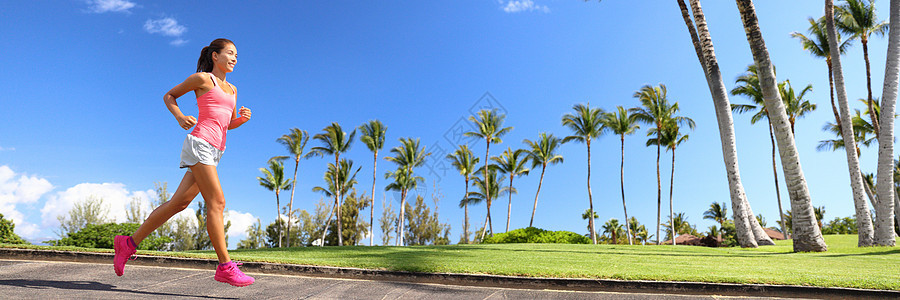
(216, 108)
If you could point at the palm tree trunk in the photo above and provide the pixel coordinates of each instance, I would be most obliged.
(777, 188)
(837, 116)
(707, 57)
(658, 187)
(400, 221)
(671, 202)
(372, 211)
(863, 219)
(278, 216)
(291, 203)
(331, 213)
(534, 208)
(466, 223)
(338, 197)
(484, 228)
(590, 196)
(869, 102)
(807, 236)
(509, 207)
(487, 184)
(630, 236)
(896, 209)
(884, 212)
(466, 209)
(869, 193)
(489, 221)
(340, 223)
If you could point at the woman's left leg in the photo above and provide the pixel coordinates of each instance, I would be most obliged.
(207, 179)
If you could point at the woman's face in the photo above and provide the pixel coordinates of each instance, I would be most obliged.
(226, 59)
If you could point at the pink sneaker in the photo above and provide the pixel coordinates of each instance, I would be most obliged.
(230, 274)
(125, 248)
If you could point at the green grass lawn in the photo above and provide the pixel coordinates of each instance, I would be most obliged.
(844, 265)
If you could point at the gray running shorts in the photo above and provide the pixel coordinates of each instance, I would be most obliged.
(196, 150)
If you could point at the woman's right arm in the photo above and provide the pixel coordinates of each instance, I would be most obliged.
(191, 83)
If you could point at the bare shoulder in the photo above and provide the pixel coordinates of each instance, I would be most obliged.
(197, 78)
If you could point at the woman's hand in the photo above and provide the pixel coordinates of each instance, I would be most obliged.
(187, 122)
(245, 112)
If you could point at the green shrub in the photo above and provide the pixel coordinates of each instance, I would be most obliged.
(537, 235)
(729, 234)
(101, 236)
(8, 234)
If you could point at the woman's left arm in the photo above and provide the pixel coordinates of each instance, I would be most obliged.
(237, 121)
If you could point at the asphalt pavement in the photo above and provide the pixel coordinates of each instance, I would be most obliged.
(35, 279)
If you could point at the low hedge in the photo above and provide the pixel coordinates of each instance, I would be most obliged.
(537, 235)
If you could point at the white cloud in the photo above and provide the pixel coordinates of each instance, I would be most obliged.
(7, 149)
(178, 42)
(102, 6)
(514, 6)
(239, 224)
(21, 190)
(165, 26)
(115, 197)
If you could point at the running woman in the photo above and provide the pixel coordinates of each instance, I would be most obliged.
(200, 154)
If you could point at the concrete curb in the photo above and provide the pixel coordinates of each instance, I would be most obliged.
(482, 280)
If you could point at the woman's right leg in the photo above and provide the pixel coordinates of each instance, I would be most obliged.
(184, 195)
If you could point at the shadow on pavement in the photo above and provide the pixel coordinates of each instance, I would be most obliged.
(88, 286)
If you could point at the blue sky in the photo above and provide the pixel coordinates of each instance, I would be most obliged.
(83, 81)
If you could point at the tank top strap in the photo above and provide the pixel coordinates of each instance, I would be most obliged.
(213, 77)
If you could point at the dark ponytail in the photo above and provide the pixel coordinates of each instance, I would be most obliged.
(205, 63)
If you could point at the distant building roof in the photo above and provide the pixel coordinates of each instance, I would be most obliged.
(775, 235)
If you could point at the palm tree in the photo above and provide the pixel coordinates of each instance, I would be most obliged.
(748, 85)
(373, 136)
(489, 188)
(339, 181)
(678, 225)
(490, 128)
(543, 152)
(613, 230)
(586, 124)
(717, 212)
(464, 161)
(807, 237)
(657, 111)
(857, 19)
(672, 137)
(746, 233)
(820, 215)
(622, 124)
(402, 182)
(863, 220)
(819, 47)
(274, 181)
(588, 212)
(795, 105)
(511, 163)
(884, 230)
(862, 131)
(407, 156)
(295, 143)
(334, 142)
(638, 231)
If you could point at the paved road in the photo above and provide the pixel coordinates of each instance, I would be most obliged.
(54, 280)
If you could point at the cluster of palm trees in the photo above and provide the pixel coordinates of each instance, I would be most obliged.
(586, 124)
(776, 102)
(340, 176)
(779, 105)
(858, 20)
